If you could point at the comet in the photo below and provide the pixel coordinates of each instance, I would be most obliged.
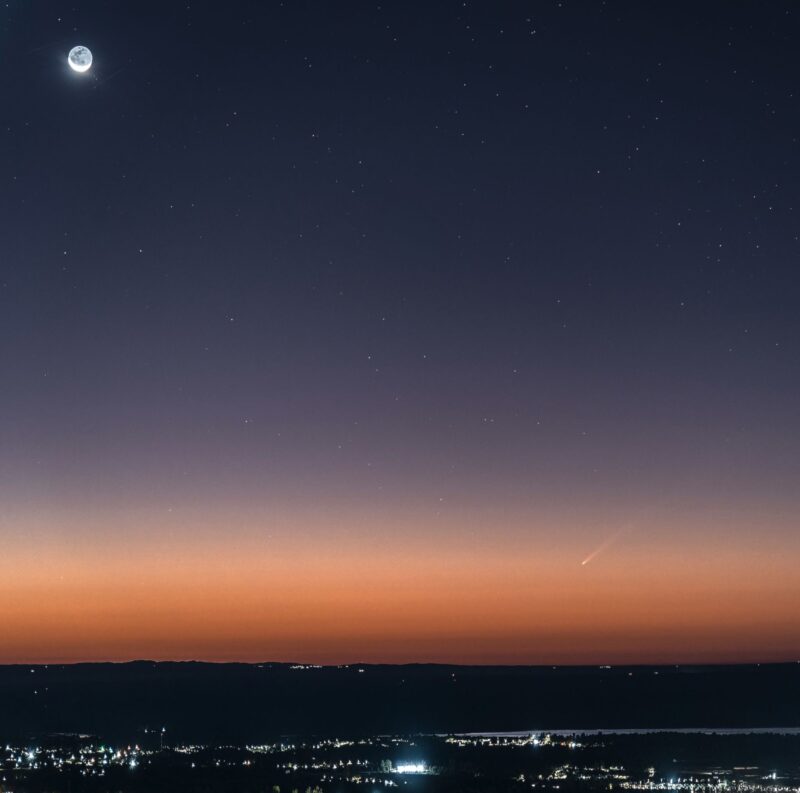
(607, 543)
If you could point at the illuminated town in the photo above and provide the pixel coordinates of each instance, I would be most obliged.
(547, 761)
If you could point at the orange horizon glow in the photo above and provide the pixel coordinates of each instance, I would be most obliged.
(346, 597)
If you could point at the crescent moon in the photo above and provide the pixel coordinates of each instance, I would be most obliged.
(80, 59)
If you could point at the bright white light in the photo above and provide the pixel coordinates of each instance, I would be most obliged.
(411, 768)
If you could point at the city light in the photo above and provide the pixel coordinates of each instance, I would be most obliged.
(410, 768)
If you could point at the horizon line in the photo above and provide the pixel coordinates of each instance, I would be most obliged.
(373, 664)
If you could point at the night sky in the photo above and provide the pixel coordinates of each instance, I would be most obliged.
(435, 331)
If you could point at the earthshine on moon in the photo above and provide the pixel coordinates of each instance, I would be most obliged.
(80, 59)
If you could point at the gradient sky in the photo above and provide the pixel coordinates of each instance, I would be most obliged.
(454, 331)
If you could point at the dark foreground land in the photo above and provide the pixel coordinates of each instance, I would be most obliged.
(688, 762)
(242, 704)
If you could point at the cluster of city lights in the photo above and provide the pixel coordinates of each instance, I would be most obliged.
(362, 761)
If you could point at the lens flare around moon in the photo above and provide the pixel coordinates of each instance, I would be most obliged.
(80, 59)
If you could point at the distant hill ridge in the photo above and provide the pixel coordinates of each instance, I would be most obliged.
(240, 702)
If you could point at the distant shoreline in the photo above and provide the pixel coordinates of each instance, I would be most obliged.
(639, 731)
